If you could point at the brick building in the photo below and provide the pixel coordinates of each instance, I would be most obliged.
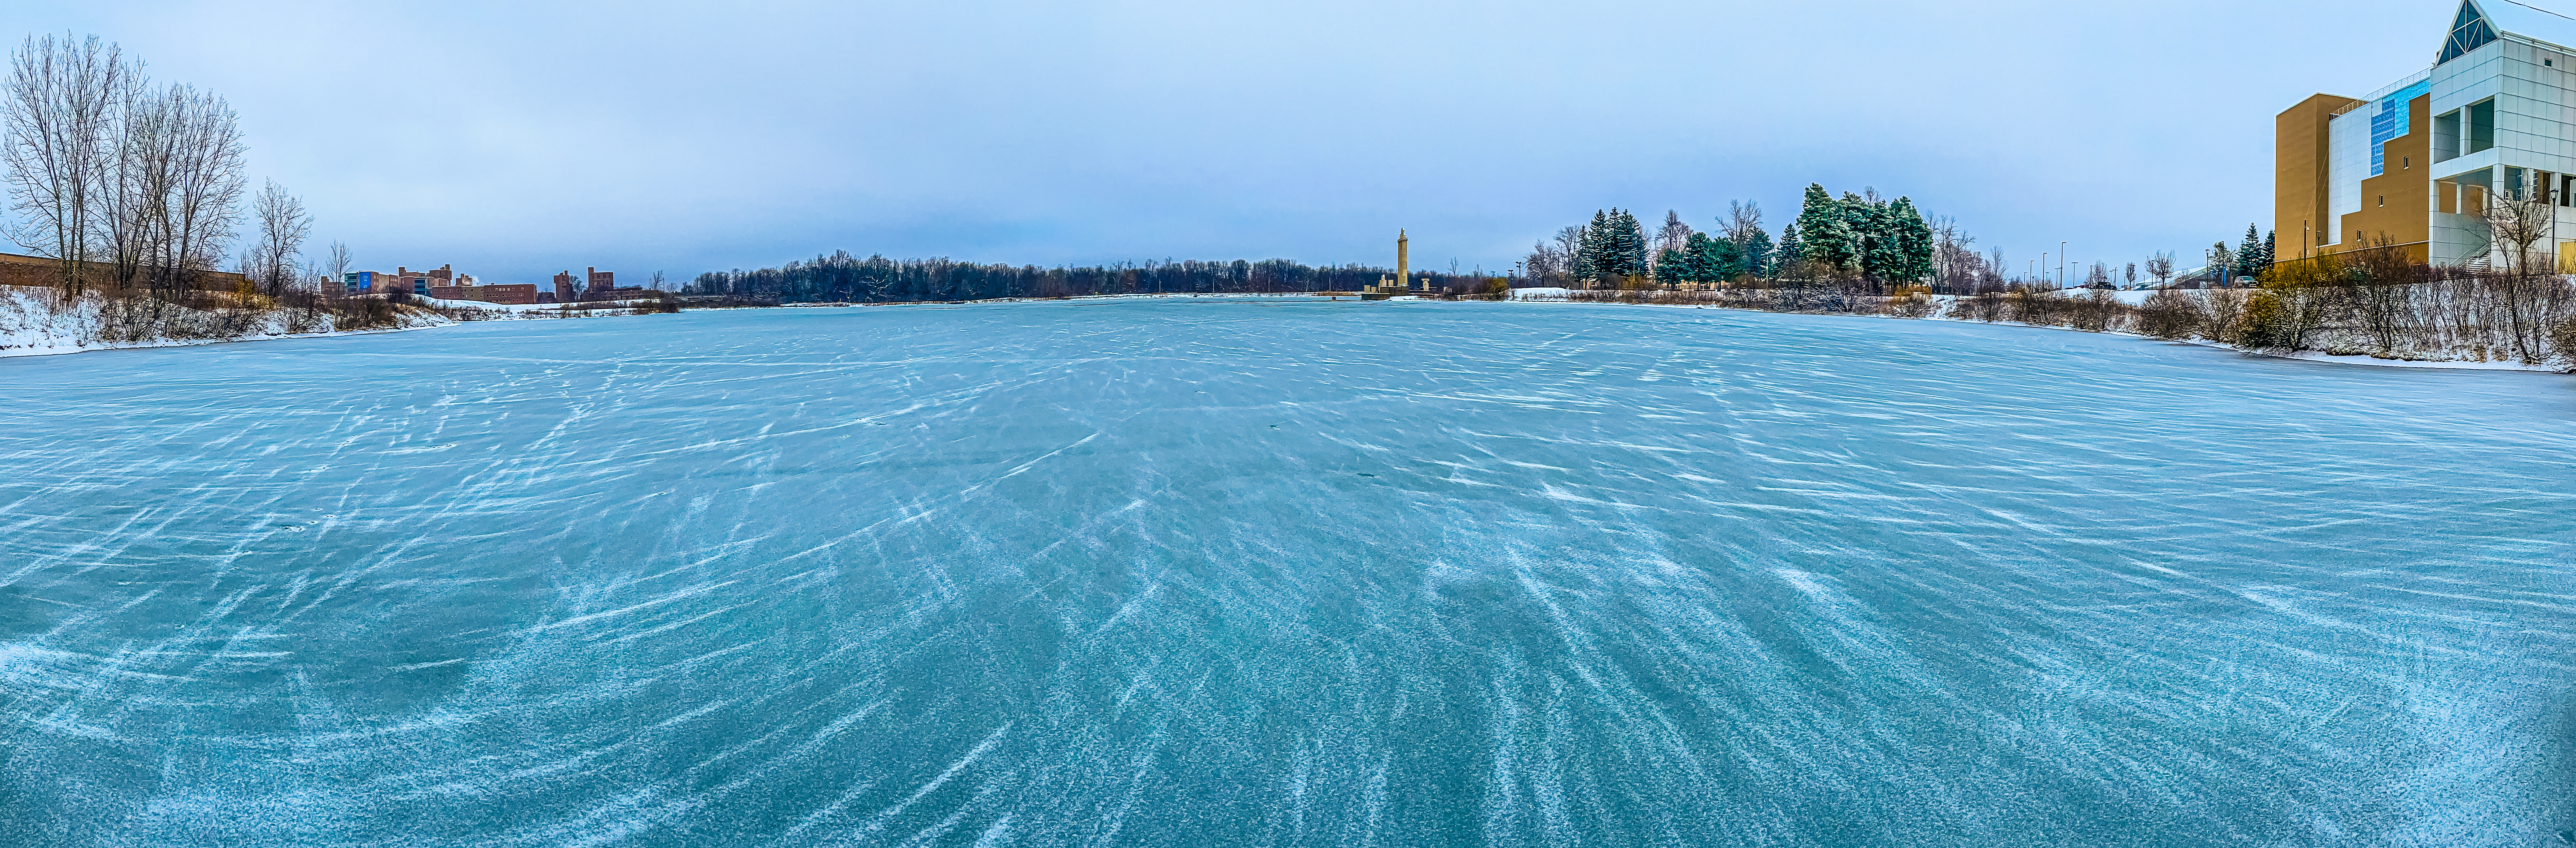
(513, 293)
(403, 280)
(22, 270)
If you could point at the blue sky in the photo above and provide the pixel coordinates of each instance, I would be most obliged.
(518, 139)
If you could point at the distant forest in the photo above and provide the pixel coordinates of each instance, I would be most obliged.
(843, 278)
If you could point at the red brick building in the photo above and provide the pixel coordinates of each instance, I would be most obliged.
(511, 293)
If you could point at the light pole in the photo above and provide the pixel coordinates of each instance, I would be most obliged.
(2061, 264)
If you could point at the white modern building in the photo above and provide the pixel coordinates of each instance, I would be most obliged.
(2416, 161)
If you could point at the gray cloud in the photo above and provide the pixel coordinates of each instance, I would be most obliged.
(518, 139)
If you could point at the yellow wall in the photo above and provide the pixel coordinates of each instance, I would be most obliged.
(2405, 219)
(2299, 173)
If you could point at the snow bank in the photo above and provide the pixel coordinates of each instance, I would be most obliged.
(33, 324)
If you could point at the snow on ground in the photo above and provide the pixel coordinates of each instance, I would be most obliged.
(549, 308)
(31, 325)
(2455, 359)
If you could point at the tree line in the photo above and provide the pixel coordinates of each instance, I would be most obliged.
(1863, 240)
(841, 277)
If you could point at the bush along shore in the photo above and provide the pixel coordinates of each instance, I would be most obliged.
(2424, 315)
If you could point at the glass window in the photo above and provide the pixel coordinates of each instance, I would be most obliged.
(2468, 32)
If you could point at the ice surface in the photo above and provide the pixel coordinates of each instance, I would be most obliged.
(1173, 572)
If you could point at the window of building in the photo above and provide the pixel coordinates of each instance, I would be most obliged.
(2406, 163)
(2481, 121)
(2383, 200)
(2469, 32)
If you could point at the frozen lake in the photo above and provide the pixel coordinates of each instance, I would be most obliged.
(1185, 572)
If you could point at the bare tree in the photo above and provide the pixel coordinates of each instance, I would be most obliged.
(206, 186)
(2161, 267)
(2381, 299)
(283, 226)
(1673, 234)
(2516, 218)
(56, 108)
(338, 262)
(1743, 219)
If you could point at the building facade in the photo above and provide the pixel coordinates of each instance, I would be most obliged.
(2417, 161)
(402, 281)
(511, 293)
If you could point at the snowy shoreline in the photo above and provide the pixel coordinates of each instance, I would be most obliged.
(2320, 357)
(10, 346)
(63, 350)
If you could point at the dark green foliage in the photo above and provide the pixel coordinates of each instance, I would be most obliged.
(843, 278)
(1909, 242)
(1825, 230)
(1588, 248)
(1625, 246)
(1702, 260)
(1757, 253)
(1673, 266)
(2250, 261)
(1869, 224)
(1791, 251)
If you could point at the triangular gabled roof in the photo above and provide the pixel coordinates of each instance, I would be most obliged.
(2478, 22)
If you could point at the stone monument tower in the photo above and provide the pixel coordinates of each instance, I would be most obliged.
(1403, 278)
(1402, 282)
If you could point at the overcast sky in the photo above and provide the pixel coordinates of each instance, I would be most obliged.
(517, 139)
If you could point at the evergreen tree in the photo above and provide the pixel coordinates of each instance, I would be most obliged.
(1673, 266)
(1872, 247)
(1624, 246)
(1912, 242)
(1724, 261)
(1756, 250)
(1791, 251)
(1588, 249)
(1825, 232)
(2220, 260)
(1711, 260)
(2267, 248)
(2249, 255)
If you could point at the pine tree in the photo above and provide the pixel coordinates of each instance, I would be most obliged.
(1873, 248)
(1825, 233)
(1724, 261)
(1626, 245)
(2220, 260)
(1756, 250)
(1912, 242)
(1711, 260)
(1791, 251)
(1588, 249)
(2249, 255)
(1672, 266)
(2267, 248)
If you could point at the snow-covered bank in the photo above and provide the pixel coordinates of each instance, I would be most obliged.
(33, 323)
(2333, 345)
